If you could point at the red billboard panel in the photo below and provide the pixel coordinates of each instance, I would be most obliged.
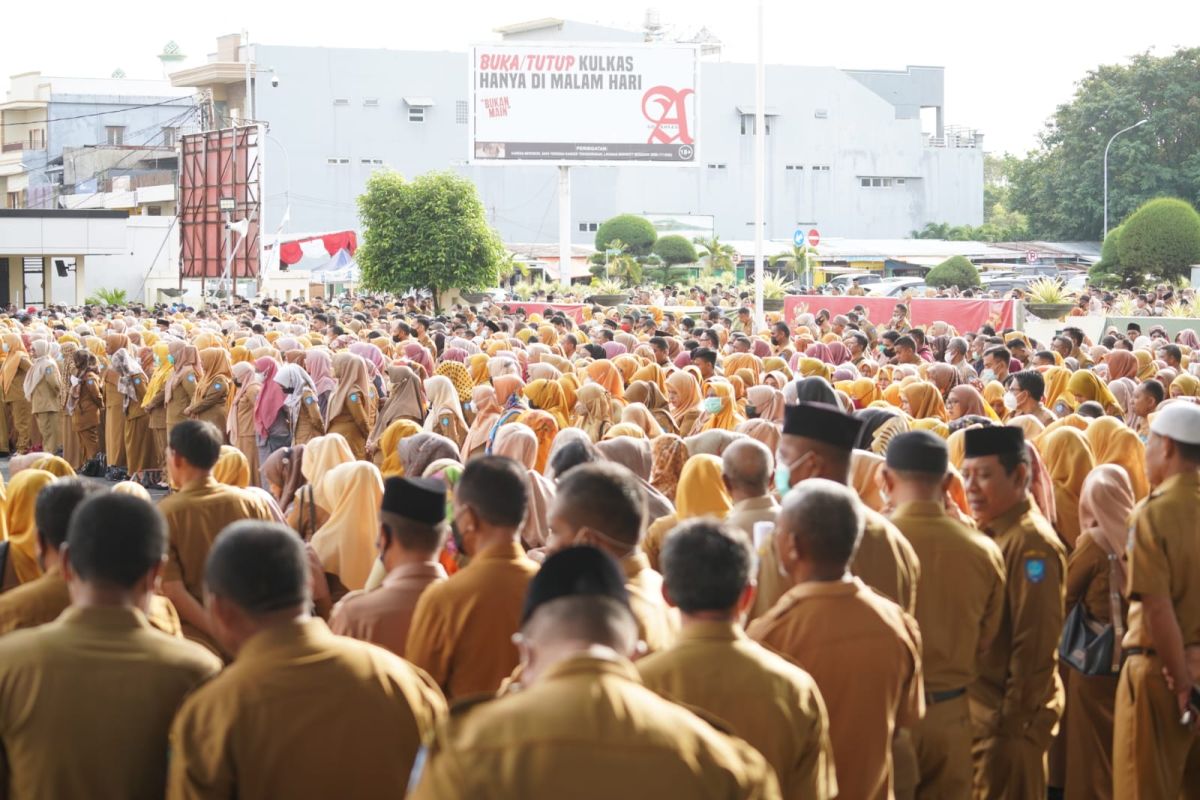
(219, 183)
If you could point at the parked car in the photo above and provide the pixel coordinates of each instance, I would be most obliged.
(847, 279)
(894, 287)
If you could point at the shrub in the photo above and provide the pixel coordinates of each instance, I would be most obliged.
(636, 233)
(1161, 239)
(954, 271)
(675, 250)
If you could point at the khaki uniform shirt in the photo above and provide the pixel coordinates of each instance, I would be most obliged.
(302, 713)
(88, 408)
(47, 395)
(44, 598)
(960, 599)
(864, 652)
(657, 622)
(768, 701)
(746, 512)
(86, 702)
(1018, 681)
(462, 628)
(383, 616)
(588, 730)
(309, 423)
(1164, 557)
(195, 515)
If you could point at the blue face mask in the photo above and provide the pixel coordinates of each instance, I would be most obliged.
(987, 376)
(170, 359)
(712, 405)
(783, 479)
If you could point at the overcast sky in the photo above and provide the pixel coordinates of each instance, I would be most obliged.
(1008, 64)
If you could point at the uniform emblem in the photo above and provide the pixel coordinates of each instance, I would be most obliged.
(217, 386)
(137, 381)
(49, 370)
(1035, 569)
(90, 381)
(308, 401)
(354, 398)
(191, 378)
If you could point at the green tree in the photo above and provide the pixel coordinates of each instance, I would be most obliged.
(636, 232)
(1160, 240)
(954, 271)
(1059, 187)
(430, 232)
(675, 250)
(1107, 271)
(717, 257)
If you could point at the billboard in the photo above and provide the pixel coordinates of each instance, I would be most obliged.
(215, 166)
(584, 104)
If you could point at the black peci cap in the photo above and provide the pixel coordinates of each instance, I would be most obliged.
(994, 441)
(575, 572)
(418, 499)
(918, 451)
(822, 423)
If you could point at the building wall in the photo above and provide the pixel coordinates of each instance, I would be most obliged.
(822, 117)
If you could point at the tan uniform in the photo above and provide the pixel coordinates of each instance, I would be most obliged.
(657, 622)
(1088, 723)
(383, 616)
(1153, 755)
(884, 560)
(1018, 698)
(46, 404)
(309, 423)
(864, 652)
(139, 441)
(195, 515)
(768, 701)
(181, 398)
(212, 407)
(303, 714)
(246, 441)
(114, 420)
(588, 730)
(353, 423)
(86, 702)
(88, 411)
(17, 406)
(960, 602)
(462, 628)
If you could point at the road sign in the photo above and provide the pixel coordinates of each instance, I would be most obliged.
(1031, 257)
(798, 238)
(814, 237)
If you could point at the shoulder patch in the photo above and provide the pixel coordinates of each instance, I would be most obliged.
(90, 381)
(49, 370)
(1035, 569)
(137, 381)
(191, 378)
(308, 401)
(216, 386)
(354, 397)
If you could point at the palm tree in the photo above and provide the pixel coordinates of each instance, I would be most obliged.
(718, 257)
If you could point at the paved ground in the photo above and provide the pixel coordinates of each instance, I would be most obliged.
(101, 481)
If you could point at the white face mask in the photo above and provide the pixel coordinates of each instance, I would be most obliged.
(948, 358)
(987, 376)
(1010, 401)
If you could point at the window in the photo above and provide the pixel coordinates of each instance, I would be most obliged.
(461, 110)
(168, 137)
(416, 113)
(337, 161)
(716, 166)
(821, 113)
(796, 167)
(115, 134)
(341, 101)
(373, 162)
(37, 139)
(14, 200)
(748, 124)
(593, 226)
(584, 227)
(370, 102)
(154, 211)
(820, 168)
(875, 183)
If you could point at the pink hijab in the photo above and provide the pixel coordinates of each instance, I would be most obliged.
(320, 367)
(270, 398)
(1105, 503)
(416, 352)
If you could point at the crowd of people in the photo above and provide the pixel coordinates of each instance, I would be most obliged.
(604, 552)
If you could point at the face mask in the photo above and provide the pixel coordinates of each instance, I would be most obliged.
(987, 376)
(170, 359)
(948, 358)
(288, 390)
(712, 405)
(157, 361)
(783, 474)
(625, 326)
(6, 347)
(1010, 401)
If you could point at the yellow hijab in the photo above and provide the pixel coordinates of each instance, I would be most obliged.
(701, 491)
(924, 401)
(548, 395)
(232, 468)
(1146, 368)
(346, 542)
(1087, 384)
(162, 374)
(389, 444)
(58, 467)
(18, 515)
(1056, 379)
(1068, 460)
(1113, 442)
(730, 416)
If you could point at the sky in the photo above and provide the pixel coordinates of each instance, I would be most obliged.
(1008, 64)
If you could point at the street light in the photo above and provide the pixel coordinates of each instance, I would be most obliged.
(1110, 141)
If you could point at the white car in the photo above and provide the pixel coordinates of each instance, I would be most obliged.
(894, 287)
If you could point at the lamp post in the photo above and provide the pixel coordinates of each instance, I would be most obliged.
(1110, 141)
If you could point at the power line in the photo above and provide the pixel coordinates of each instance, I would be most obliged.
(181, 99)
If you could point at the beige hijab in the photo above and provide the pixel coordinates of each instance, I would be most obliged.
(346, 542)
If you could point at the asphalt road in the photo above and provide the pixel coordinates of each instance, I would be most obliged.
(155, 494)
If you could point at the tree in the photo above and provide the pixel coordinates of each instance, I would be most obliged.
(1107, 271)
(675, 250)
(430, 232)
(717, 256)
(1161, 240)
(954, 271)
(1059, 187)
(636, 232)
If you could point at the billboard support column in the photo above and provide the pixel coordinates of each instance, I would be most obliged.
(564, 221)
(760, 147)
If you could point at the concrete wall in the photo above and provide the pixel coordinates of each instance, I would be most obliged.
(150, 254)
(826, 118)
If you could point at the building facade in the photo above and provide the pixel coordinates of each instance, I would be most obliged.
(845, 148)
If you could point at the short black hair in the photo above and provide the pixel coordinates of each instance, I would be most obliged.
(1030, 380)
(607, 498)
(411, 534)
(999, 353)
(496, 488)
(906, 341)
(115, 539)
(659, 342)
(258, 566)
(1076, 334)
(1155, 389)
(861, 338)
(197, 442)
(706, 565)
(704, 354)
(1045, 355)
(1173, 351)
(55, 504)
(573, 454)
(1090, 409)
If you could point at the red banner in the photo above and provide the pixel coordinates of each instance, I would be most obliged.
(964, 314)
(575, 311)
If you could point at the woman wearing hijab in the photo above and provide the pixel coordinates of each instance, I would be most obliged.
(720, 407)
(43, 388)
(458, 375)
(1184, 386)
(1068, 461)
(131, 387)
(155, 400)
(519, 443)
(548, 396)
(1085, 385)
(648, 394)
(593, 411)
(683, 395)
(966, 401)
(639, 416)
(417, 450)
(605, 374)
(1095, 572)
(346, 542)
(668, 455)
(406, 400)
(239, 424)
(487, 412)
(85, 405)
(181, 387)
(12, 385)
(114, 419)
(282, 474)
(445, 411)
(349, 412)
(922, 400)
(210, 400)
(319, 365)
(272, 425)
(1121, 364)
(22, 565)
(1114, 443)
(767, 403)
(701, 493)
(309, 509)
(301, 404)
(545, 427)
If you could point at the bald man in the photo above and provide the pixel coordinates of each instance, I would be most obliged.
(746, 467)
